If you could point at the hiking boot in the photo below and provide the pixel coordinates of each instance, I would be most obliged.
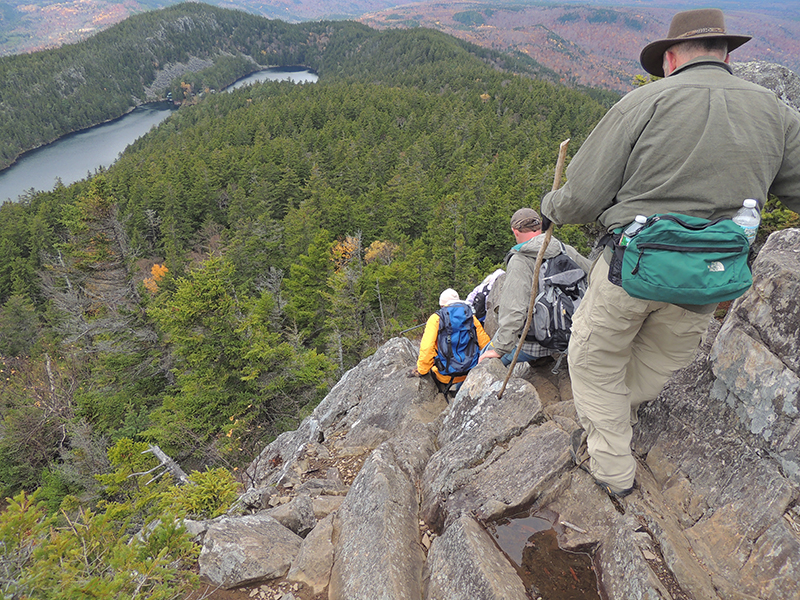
(621, 494)
(579, 450)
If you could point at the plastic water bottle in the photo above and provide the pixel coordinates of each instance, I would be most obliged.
(748, 218)
(632, 229)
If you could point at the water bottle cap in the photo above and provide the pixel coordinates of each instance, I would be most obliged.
(750, 203)
(640, 219)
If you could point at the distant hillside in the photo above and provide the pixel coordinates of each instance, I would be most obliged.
(594, 46)
(29, 25)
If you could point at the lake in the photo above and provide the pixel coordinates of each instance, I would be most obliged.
(79, 155)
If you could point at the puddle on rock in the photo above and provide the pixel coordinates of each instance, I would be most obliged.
(548, 572)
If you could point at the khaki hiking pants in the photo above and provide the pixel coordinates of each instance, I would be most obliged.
(621, 353)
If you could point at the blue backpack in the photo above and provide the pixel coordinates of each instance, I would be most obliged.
(457, 340)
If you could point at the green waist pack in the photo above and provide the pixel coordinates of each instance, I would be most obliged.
(687, 260)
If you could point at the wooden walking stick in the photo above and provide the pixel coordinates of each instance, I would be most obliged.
(562, 155)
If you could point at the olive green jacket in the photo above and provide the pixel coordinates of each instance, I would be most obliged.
(697, 142)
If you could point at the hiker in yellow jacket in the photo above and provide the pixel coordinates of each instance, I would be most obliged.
(429, 347)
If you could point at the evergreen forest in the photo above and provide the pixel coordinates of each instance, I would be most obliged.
(207, 290)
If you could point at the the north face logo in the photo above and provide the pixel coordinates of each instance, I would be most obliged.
(716, 267)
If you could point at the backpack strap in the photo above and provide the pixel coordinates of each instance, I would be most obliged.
(444, 327)
(508, 256)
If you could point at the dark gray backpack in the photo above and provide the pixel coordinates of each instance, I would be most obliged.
(562, 284)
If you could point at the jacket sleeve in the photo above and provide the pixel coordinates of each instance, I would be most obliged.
(555, 247)
(513, 307)
(427, 346)
(483, 337)
(786, 185)
(594, 176)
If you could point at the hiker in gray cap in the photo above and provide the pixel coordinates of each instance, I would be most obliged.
(698, 143)
(512, 309)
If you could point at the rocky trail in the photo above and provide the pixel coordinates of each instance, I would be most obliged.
(388, 492)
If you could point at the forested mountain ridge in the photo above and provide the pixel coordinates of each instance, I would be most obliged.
(595, 44)
(50, 93)
(80, 85)
(32, 25)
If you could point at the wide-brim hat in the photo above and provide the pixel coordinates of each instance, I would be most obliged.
(689, 25)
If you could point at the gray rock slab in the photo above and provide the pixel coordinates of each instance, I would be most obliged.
(465, 564)
(765, 394)
(772, 571)
(378, 553)
(370, 403)
(276, 463)
(772, 306)
(511, 479)
(196, 529)
(756, 355)
(587, 510)
(413, 449)
(477, 412)
(716, 479)
(669, 549)
(374, 400)
(325, 505)
(623, 569)
(476, 422)
(760, 387)
(252, 500)
(332, 485)
(312, 567)
(242, 550)
(297, 515)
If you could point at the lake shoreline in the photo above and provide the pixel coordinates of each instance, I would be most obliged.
(25, 154)
(80, 154)
(177, 105)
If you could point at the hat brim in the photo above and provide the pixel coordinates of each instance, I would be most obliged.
(652, 56)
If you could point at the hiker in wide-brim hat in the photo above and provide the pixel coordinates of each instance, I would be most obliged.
(701, 24)
(696, 143)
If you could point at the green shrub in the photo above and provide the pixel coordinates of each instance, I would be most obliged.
(207, 495)
(90, 555)
(774, 217)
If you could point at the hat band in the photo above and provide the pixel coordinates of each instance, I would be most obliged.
(701, 31)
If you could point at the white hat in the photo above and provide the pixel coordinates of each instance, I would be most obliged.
(448, 296)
